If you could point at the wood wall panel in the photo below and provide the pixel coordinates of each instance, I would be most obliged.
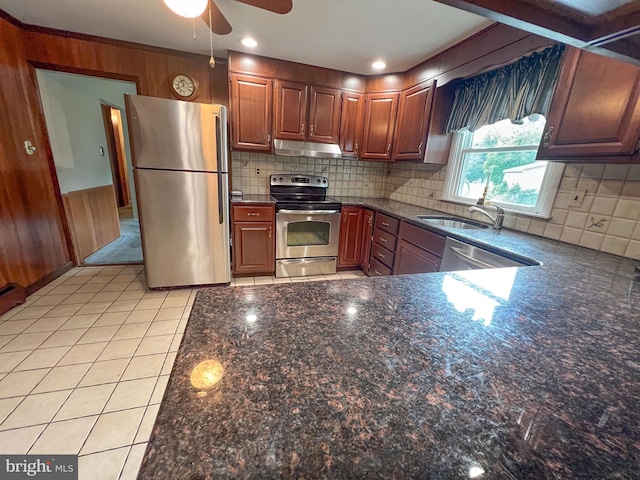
(151, 69)
(31, 231)
(93, 218)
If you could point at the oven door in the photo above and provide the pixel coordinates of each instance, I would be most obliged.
(307, 233)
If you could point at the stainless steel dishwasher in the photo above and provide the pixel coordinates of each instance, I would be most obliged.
(462, 256)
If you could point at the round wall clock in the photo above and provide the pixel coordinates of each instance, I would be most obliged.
(184, 87)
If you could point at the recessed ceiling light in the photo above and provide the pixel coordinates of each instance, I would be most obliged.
(249, 42)
(379, 65)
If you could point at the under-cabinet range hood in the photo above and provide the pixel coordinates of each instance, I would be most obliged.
(290, 148)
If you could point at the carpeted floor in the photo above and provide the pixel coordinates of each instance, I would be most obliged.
(126, 249)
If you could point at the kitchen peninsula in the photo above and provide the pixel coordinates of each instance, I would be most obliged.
(508, 373)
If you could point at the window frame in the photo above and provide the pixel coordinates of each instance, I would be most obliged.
(461, 144)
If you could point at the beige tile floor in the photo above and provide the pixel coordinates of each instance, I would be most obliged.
(85, 362)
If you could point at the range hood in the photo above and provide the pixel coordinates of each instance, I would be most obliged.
(290, 148)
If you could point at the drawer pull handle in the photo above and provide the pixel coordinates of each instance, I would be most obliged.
(381, 255)
(383, 240)
(253, 214)
(377, 272)
(386, 224)
(270, 232)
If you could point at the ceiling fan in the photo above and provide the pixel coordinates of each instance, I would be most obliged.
(220, 25)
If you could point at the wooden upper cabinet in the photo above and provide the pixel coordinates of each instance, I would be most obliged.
(414, 118)
(251, 113)
(379, 122)
(324, 114)
(595, 111)
(291, 108)
(351, 120)
(306, 113)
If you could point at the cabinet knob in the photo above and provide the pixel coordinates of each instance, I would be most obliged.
(546, 139)
(311, 128)
(302, 128)
(383, 240)
(377, 272)
(385, 224)
(29, 148)
(356, 150)
(381, 255)
(268, 139)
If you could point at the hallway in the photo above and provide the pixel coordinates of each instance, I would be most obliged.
(124, 250)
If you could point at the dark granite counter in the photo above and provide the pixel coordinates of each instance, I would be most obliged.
(252, 198)
(511, 373)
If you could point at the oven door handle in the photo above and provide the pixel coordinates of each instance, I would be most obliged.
(309, 212)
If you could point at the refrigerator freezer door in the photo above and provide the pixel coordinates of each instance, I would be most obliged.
(184, 221)
(174, 135)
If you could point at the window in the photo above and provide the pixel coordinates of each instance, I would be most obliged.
(502, 158)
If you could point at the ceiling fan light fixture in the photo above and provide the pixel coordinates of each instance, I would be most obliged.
(249, 42)
(378, 65)
(187, 8)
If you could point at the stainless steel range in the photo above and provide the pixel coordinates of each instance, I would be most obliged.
(307, 225)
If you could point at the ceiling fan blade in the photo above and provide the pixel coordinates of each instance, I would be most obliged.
(275, 6)
(219, 24)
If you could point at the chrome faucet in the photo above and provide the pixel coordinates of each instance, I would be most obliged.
(496, 222)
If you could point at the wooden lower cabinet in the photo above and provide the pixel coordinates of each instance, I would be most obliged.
(367, 238)
(253, 241)
(350, 244)
(418, 250)
(412, 259)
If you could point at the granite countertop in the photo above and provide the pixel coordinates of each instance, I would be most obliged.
(252, 198)
(511, 373)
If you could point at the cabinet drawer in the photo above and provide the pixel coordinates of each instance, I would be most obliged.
(382, 255)
(378, 269)
(384, 239)
(386, 223)
(424, 239)
(248, 213)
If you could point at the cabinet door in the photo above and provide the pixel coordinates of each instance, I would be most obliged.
(251, 113)
(411, 259)
(379, 121)
(367, 235)
(351, 120)
(253, 247)
(414, 117)
(595, 110)
(324, 115)
(291, 109)
(350, 243)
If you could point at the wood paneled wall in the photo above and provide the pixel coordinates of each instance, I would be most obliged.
(34, 239)
(150, 68)
(93, 218)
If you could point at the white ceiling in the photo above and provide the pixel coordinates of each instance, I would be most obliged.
(345, 35)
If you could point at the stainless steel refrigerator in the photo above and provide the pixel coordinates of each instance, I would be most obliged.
(181, 175)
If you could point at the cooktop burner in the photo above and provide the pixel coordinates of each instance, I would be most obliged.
(293, 191)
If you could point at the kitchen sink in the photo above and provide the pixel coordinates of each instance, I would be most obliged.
(451, 222)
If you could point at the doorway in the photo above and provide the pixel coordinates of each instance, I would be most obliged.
(86, 123)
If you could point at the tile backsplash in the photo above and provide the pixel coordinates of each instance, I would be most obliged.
(608, 219)
(250, 173)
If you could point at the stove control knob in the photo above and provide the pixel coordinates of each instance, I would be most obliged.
(324, 181)
(280, 178)
(318, 180)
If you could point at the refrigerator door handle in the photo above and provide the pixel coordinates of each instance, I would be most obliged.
(221, 202)
(218, 142)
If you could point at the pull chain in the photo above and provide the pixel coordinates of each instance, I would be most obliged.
(212, 61)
